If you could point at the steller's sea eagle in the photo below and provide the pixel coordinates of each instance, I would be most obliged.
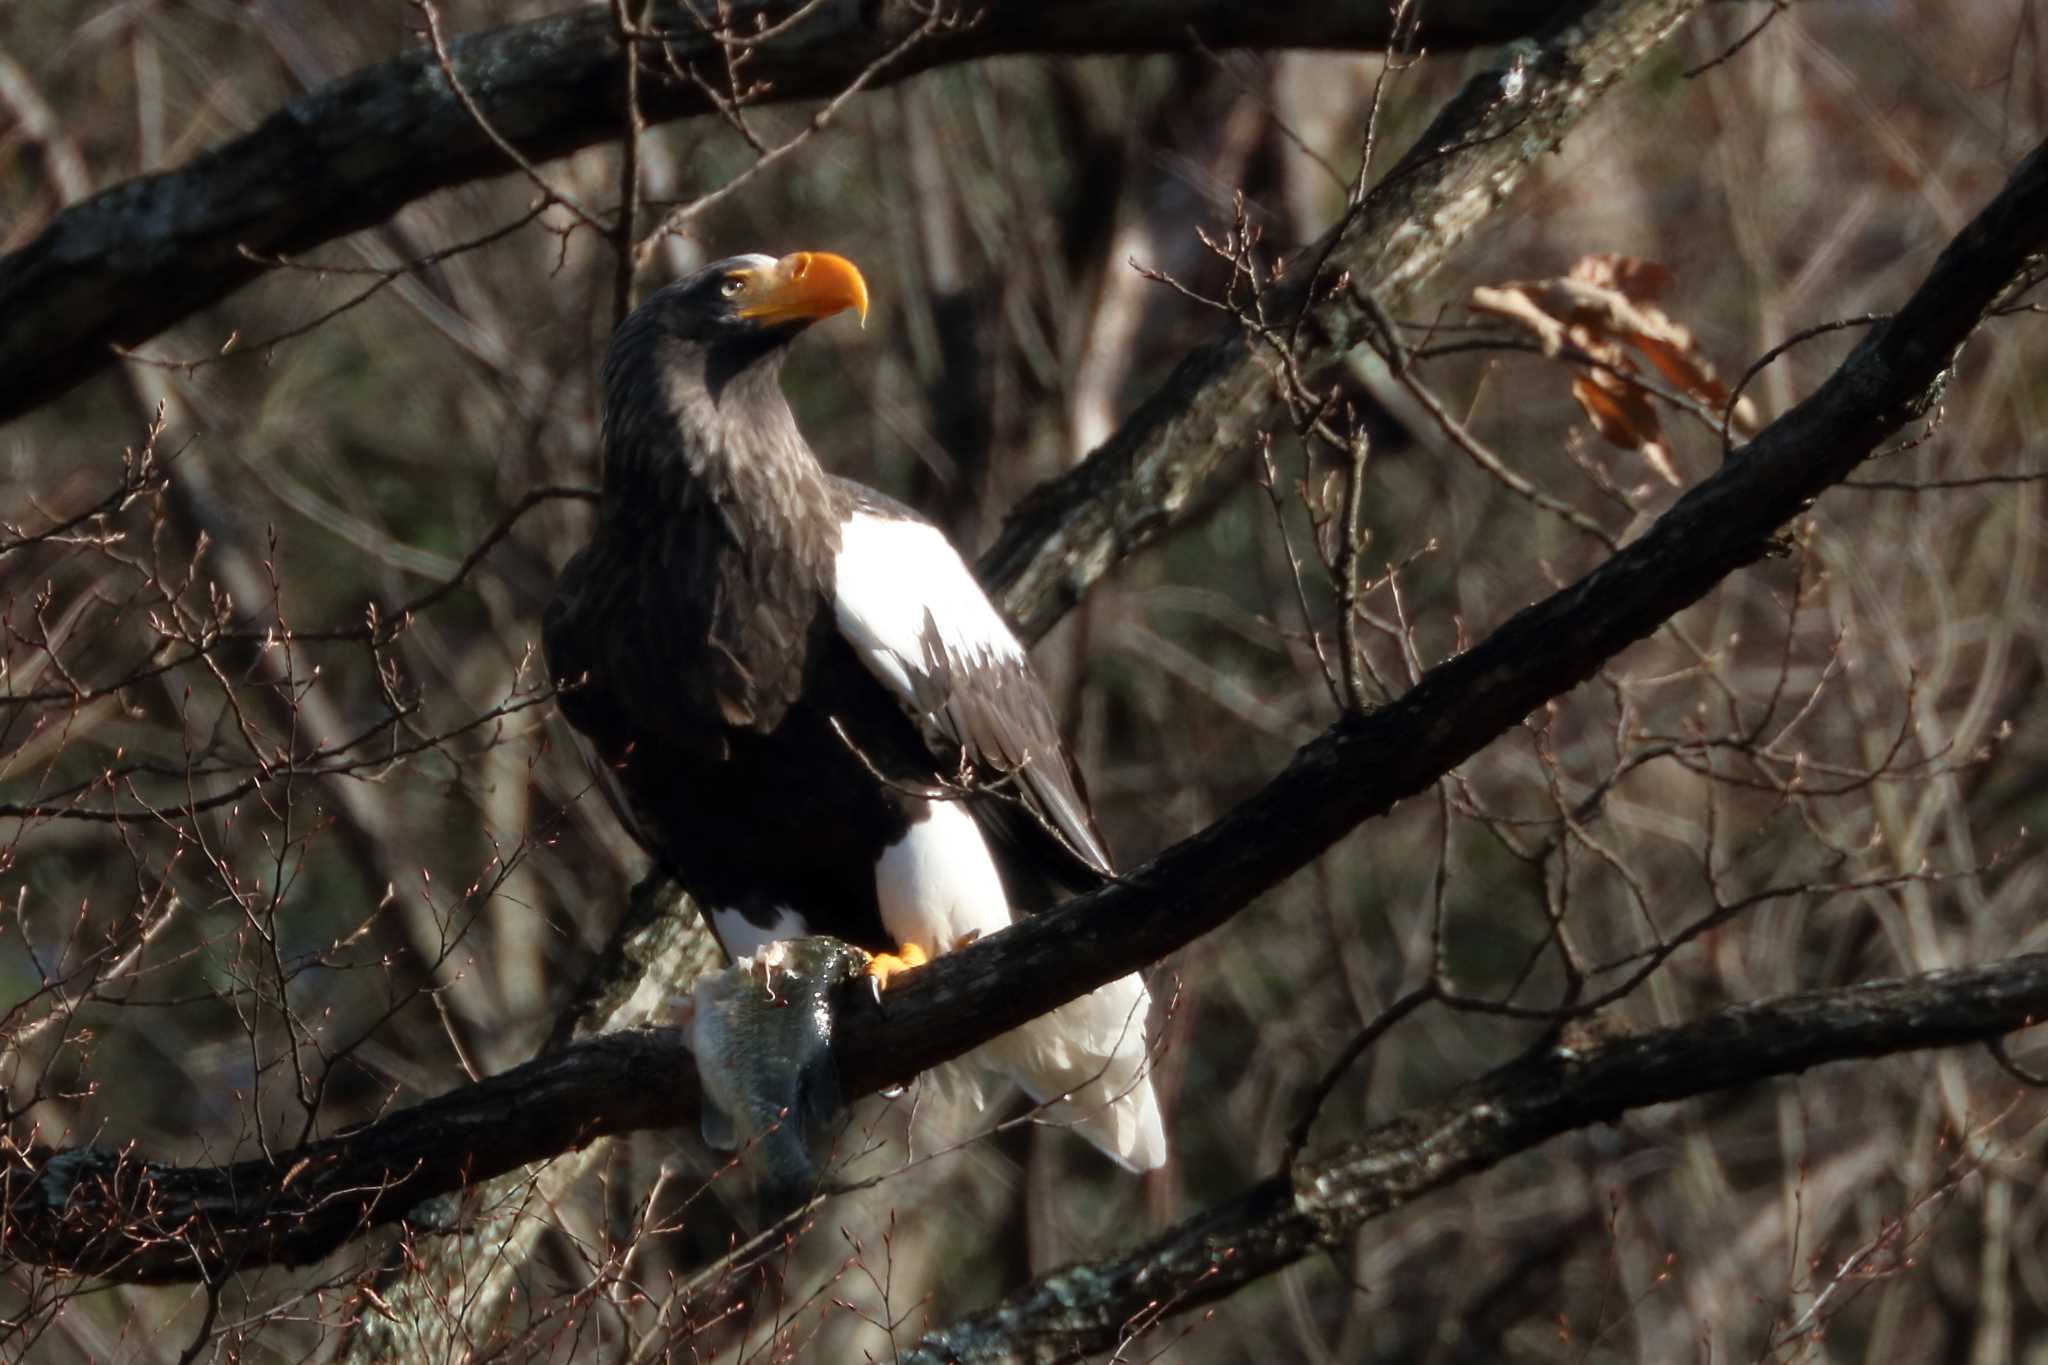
(816, 719)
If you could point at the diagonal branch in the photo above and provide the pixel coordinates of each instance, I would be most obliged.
(117, 1215)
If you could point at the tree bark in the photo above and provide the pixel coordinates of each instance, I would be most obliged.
(1170, 459)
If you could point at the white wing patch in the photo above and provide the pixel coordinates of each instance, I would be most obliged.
(890, 577)
(922, 627)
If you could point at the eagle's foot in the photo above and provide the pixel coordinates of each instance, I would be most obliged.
(882, 966)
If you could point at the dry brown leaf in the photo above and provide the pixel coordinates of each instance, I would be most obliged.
(1621, 413)
(1606, 307)
(1630, 276)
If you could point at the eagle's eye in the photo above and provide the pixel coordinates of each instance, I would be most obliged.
(732, 286)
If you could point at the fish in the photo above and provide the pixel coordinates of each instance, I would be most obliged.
(761, 1031)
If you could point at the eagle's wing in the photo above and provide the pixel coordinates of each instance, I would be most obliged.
(920, 623)
(597, 721)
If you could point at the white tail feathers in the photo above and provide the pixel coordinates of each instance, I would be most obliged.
(1089, 1065)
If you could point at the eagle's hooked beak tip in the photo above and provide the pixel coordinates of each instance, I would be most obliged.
(856, 287)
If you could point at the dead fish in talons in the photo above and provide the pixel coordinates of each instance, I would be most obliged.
(762, 1032)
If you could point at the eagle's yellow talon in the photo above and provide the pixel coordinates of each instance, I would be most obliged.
(882, 966)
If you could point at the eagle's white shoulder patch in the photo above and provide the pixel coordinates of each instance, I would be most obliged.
(901, 590)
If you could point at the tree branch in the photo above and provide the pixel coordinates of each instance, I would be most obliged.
(120, 267)
(115, 1214)
(1278, 1221)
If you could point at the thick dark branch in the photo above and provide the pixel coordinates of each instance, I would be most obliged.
(1276, 1222)
(120, 267)
(116, 1215)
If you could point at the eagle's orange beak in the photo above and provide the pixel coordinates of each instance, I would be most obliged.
(805, 284)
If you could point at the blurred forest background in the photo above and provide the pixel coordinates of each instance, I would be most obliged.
(278, 859)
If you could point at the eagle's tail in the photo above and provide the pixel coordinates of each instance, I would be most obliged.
(1089, 1065)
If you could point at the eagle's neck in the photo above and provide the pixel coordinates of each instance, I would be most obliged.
(699, 441)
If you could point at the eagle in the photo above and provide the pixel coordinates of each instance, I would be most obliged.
(809, 711)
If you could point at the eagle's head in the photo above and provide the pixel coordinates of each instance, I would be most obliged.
(690, 381)
(721, 323)
(746, 300)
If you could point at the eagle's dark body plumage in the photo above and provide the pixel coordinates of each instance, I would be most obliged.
(794, 731)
